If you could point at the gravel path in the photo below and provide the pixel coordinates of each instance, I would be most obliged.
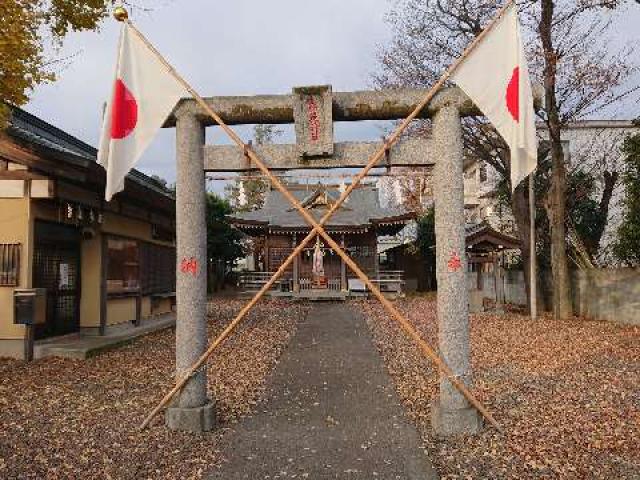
(331, 412)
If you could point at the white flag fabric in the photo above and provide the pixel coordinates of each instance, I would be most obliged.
(495, 76)
(144, 94)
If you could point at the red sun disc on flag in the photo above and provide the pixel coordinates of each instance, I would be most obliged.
(513, 95)
(124, 111)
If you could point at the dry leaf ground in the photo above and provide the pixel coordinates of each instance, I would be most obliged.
(566, 392)
(76, 419)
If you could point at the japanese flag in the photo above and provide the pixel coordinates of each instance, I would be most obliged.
(496, 78)
(144, 94)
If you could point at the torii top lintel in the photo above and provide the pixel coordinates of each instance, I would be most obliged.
(393, 104)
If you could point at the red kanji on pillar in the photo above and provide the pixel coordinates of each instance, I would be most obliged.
(189, 265)
(454, 264)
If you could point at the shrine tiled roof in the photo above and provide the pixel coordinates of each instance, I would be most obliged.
(361, 210)
(484, 235)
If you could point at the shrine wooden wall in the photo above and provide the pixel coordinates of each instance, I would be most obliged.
(361, 248)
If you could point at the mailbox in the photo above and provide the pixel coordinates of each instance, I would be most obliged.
(29, 306)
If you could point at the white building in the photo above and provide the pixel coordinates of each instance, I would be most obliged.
(594, 145)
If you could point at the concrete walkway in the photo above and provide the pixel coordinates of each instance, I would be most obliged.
(331, 412)
(81, 346)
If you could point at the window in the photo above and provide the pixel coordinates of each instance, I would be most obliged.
(123, 268)
(157, 269)
(9, 264)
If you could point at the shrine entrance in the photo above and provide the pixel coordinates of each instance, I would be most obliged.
(313, 110)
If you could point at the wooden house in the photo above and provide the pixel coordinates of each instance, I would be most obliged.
(99, 266)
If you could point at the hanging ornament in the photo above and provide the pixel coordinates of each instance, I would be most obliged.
(318, 262)
(100, 218)
(69, 211)
(80, 214)
(397, 189)
(343, 188)
(92, 217)
(242, 196)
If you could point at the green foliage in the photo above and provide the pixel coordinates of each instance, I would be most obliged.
(426, 241)
(26, 25)
(223, 242)
(254, 190)
(426, 244)
(627, 247)
(583, 212)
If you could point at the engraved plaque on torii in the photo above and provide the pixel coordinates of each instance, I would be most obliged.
(313, 116)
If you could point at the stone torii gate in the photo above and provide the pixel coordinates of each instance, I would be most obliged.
(313, 111)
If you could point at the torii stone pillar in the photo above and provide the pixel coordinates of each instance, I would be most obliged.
(192, 411)
(451, 414)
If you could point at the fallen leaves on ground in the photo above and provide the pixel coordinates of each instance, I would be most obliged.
(567, 394)
(71, 419)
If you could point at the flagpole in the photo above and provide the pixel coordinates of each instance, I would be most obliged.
(533, 277)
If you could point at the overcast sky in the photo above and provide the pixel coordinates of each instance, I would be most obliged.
(234, 48)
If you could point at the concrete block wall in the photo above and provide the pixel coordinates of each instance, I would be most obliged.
(514, 288)
(608, 294)
(611, 294)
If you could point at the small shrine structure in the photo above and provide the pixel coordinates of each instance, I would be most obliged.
(357, 224)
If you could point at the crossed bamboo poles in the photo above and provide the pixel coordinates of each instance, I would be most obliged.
(318, 229)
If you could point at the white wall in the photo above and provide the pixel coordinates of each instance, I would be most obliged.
(592, 145)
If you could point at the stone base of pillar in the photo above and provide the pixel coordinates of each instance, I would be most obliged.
(455, 422)
(196, 420)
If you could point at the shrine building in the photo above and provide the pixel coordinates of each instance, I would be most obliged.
(277, 228)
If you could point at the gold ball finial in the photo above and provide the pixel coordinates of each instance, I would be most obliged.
(120, 14)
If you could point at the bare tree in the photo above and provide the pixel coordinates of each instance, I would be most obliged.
(569, 55)
(254, 189)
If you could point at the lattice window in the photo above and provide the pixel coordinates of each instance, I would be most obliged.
(157, 268)
(277, 256)
(9, 264)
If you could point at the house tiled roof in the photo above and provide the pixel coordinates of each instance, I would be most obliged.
(48, 139)
(362, 209)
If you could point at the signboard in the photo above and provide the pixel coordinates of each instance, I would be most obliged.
(64, 276)
(313, 116)
(357, 285)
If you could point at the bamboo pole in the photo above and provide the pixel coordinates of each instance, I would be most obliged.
(319, 230)
(533, 271)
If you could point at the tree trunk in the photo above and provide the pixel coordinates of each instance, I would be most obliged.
(562, 307)
(610, 181)
(520, 209)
